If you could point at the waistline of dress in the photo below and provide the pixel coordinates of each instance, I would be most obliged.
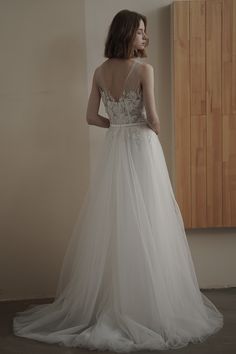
(127, 124)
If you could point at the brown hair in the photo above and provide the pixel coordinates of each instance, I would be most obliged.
(121, 34)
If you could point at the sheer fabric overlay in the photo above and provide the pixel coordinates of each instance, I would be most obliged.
(128, 280)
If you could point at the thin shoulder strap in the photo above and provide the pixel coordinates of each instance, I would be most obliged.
(102, 80)
(129, 73)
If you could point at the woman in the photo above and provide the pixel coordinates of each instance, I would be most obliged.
(128, 281)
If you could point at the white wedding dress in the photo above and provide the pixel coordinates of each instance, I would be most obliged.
(128, 281)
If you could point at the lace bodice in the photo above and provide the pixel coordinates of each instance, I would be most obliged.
(129, 108)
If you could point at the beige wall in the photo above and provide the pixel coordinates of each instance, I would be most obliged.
(49, 51)
(44, 140)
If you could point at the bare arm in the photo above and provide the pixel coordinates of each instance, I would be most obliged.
(92, 116)
(147, 81)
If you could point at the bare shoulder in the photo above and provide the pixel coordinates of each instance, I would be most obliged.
(146, 68)
(96, 73)
(146, 71)
(98, 69)
(103, 64)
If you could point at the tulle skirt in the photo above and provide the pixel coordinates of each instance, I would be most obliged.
(127, 281)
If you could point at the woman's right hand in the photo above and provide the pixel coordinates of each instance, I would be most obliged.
(155, 126)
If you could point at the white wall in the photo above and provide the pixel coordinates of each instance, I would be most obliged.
(49, 50)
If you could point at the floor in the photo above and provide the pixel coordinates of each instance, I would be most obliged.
(223, 342)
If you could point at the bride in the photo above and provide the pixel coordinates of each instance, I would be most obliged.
(127, 281)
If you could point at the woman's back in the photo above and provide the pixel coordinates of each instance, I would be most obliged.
(119, 82)
(115, 74)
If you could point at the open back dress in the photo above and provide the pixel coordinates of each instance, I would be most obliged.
(128, 280)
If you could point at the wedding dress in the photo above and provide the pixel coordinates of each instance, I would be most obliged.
(128, 281)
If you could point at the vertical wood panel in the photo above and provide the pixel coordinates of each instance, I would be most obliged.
(229, 170)
(214, 113)
(198, 112)
(233, 7)
(227, 56)
(197, 57)
(229, 116)
(182, 108)
(204, 83)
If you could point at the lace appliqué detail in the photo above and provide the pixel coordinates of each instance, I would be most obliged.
(134, 134)
(128, 108)
(138, 136)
